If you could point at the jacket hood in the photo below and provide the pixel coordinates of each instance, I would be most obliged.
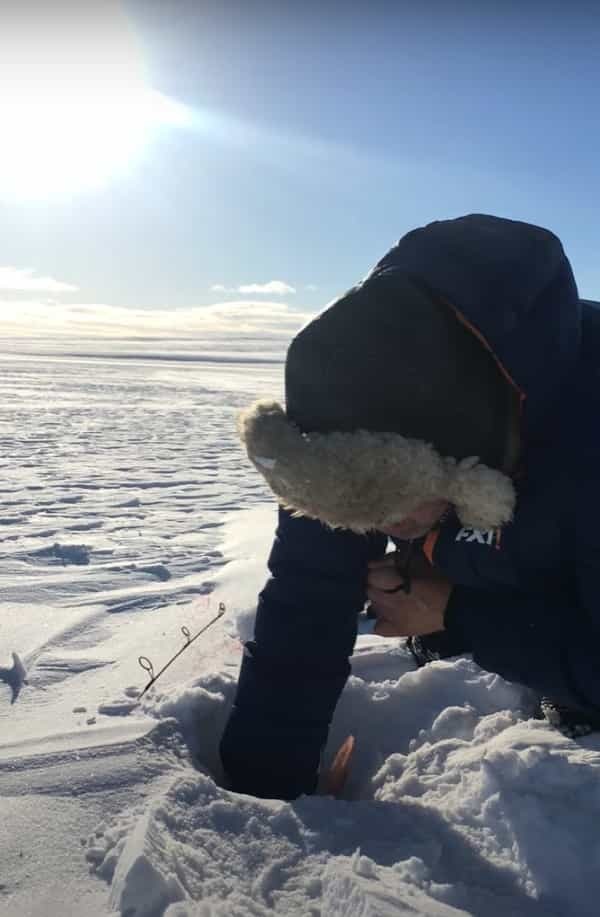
(513, 283)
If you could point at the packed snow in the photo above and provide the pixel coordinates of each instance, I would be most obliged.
(129, 512)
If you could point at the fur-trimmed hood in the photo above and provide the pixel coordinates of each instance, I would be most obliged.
(512, 286)
(363, 480)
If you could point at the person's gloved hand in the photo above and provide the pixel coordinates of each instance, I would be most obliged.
(399, 614)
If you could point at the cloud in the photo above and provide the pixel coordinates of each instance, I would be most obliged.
(311, 288)
(23, 280)
(239, 326)
(272, 288)
(275, 287)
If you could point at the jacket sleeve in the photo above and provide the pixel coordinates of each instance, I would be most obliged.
(548, 640)
(294, 670)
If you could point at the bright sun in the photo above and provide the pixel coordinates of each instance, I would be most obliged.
(75, 109)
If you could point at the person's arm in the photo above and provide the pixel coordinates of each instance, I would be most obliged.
(294, 670)
(549, 641)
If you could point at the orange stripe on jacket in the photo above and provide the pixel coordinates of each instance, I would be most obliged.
(429, 544)
(480, 337)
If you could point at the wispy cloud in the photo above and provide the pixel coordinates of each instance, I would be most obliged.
(272, 288)
(240, 326)
(24, 280)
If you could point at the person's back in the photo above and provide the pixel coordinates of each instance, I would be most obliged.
(465, 341)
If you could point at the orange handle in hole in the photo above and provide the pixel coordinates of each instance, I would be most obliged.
(338, 772)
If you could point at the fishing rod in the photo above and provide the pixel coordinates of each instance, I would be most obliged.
(146, 664)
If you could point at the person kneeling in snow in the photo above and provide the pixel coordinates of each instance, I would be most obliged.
(449, 401)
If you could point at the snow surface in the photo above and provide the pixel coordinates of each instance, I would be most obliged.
(128, 511)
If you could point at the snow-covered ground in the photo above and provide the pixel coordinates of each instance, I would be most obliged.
(128, 511)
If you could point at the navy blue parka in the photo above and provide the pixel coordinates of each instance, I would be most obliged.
(525, 601)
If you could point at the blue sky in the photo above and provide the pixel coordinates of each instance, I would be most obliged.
(319, 135)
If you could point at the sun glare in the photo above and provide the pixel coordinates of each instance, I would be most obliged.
(74, 112)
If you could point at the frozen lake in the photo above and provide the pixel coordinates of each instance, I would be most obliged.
(136, 459)
(117, 476)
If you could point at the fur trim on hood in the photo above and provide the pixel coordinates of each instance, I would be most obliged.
(362, 480)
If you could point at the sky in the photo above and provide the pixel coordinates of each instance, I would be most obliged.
(292, 144)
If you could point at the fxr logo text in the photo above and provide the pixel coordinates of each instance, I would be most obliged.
(490, 537)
